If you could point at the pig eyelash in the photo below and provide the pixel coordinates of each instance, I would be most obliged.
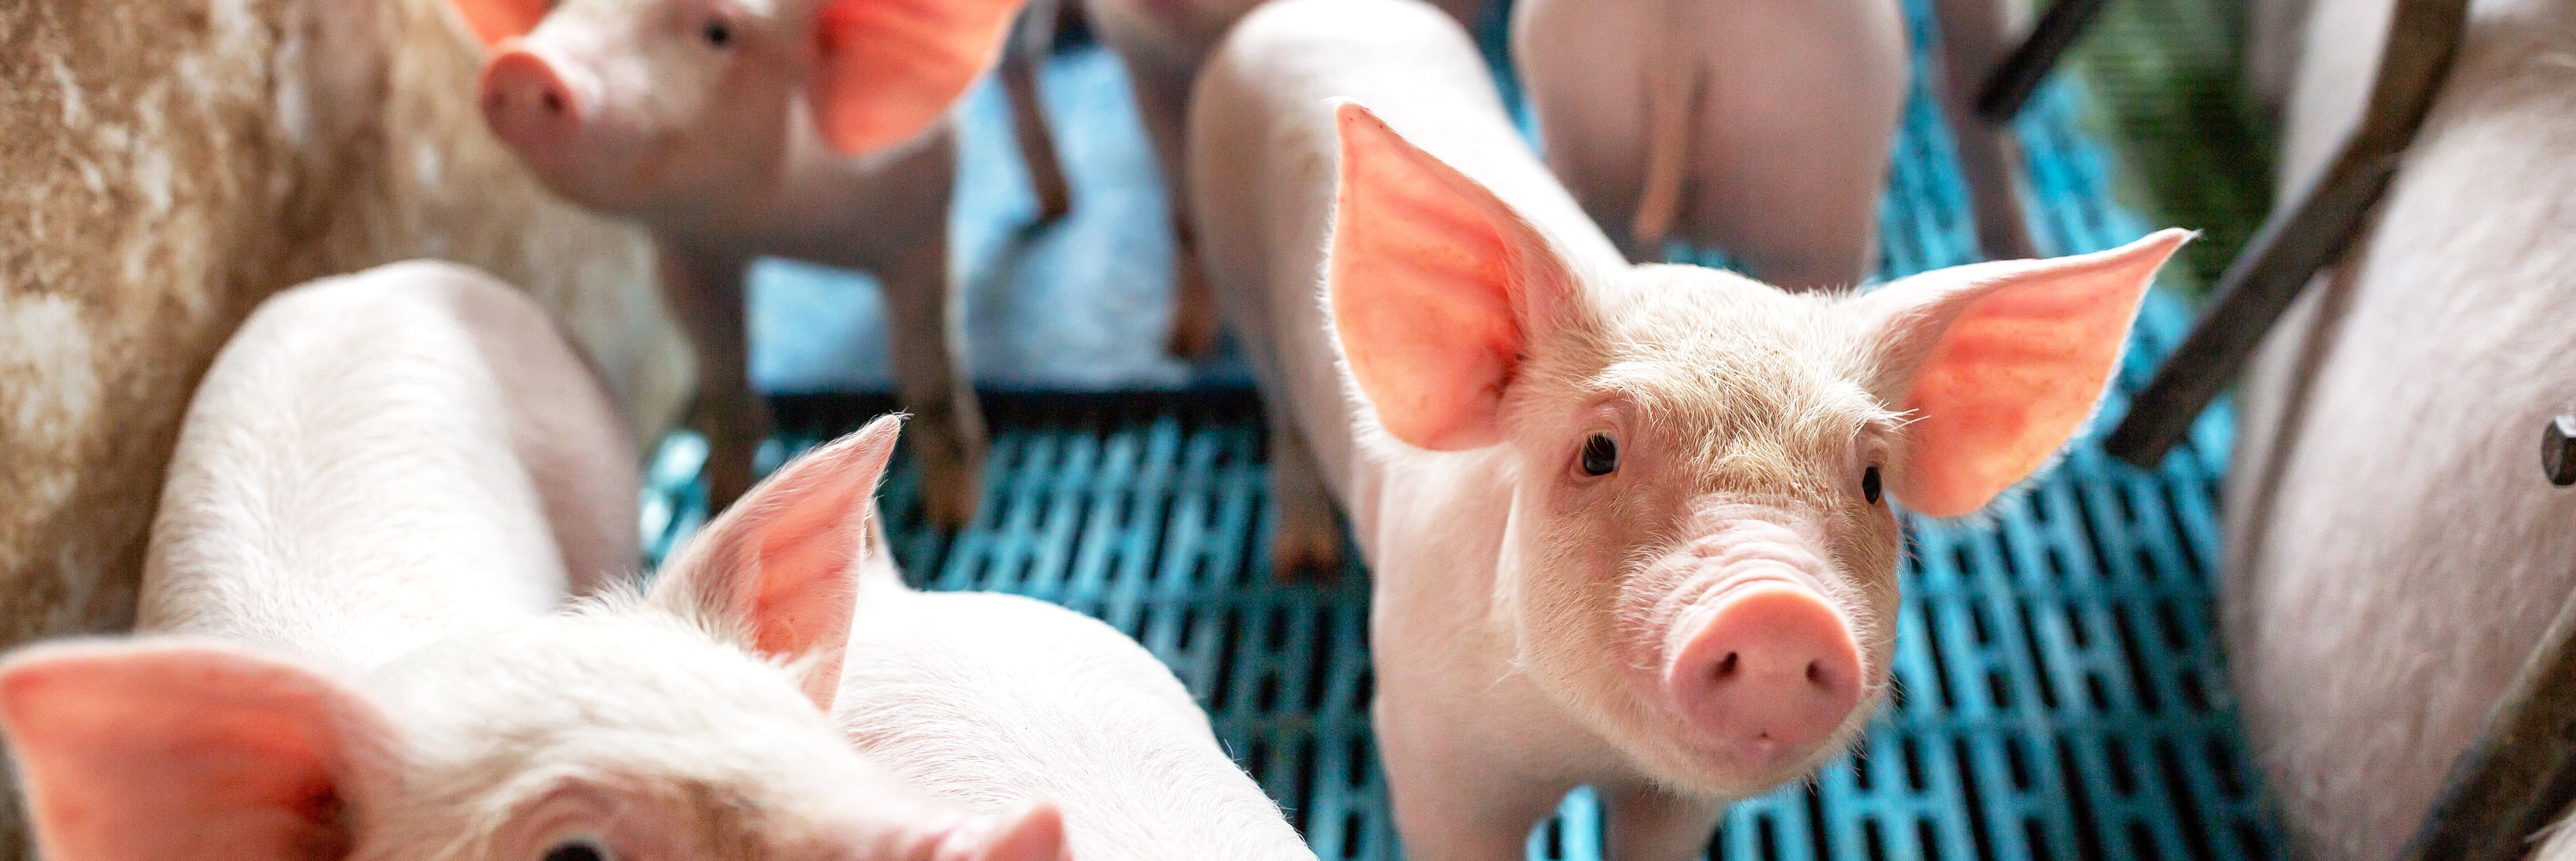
(1600, 456)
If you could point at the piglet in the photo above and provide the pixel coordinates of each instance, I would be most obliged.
(812, 129)
(1628, 526)
(1763, 130)
(351, 646)
(983, 698)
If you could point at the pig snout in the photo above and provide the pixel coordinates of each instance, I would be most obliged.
(1757, 658)
(528, 103)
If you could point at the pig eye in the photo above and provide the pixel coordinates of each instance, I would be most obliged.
(579, 849)
(1869, 488)
(719, 34)
(1600, 455)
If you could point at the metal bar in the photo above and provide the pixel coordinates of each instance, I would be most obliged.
(2300, 239)
(2009, 86)
(2520, 774)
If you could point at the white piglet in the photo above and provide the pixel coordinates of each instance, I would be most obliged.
(353, 649)
(1760, 129)
(1628, 525)
(813, 129)
(985, 698)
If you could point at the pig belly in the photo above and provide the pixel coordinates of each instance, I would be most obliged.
(2404, 554)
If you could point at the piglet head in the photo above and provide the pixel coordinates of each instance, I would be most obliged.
(649, 105)
(688, 723)
(1700, 559)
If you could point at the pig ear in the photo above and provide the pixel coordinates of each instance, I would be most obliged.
(886, 69)
(780, 563)
(1999, 363)
(1437, 287)
(183, 751)
(1035, 832)
(496, 20)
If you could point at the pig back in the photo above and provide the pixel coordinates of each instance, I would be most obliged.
(1263, 151)
(365, 469)
(2395, 551)
(991, 698)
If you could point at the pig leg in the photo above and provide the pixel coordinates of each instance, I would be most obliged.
(705, 291)
(1305, 536)
(1649, 824)
(1162, 100)
(1032, 43)
(926, 317)
(1971, 42)
(1448, 808)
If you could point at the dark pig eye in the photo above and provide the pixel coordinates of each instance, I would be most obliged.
(578, 849)
(719, 34)
(1869, 488)
(1600, 455)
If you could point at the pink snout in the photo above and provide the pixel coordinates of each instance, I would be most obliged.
(527, 103)
(1771, 670)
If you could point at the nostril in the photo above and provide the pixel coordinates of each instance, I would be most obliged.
(1726, 667)
(553, 101)
(1816, 674)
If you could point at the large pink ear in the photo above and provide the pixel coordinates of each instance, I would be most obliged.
(131, 752)
(1034, 832)
(1437, 287)
(782, 561)
(1999, 363)
(886, 69)
(496, 20)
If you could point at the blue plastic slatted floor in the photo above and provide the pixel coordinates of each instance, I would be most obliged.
(2060, 691)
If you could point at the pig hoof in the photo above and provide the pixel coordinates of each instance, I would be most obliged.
(950, 496)
(1193, 334)
(1054, 203)
(1305, 555)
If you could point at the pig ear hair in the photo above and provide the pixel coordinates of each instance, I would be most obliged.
(779, 565)
(887, 69)
(1034, 832)
(495, 20)
(1999, 363)
(184, 750)
(1436, 285)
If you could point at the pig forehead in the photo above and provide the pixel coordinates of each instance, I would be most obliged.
(1689, 342)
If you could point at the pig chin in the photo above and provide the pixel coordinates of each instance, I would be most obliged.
(1743, 655)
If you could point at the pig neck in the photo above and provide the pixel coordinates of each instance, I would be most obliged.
(853, 211)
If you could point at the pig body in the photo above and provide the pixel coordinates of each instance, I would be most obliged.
(814, 129)
(1763, 130)
(984, 698)
(1163, 43)
(1625, 523)
(357, 648)
(2394, 550)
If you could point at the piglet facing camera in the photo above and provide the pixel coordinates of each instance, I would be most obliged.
(1627, 526)
(353, 645)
